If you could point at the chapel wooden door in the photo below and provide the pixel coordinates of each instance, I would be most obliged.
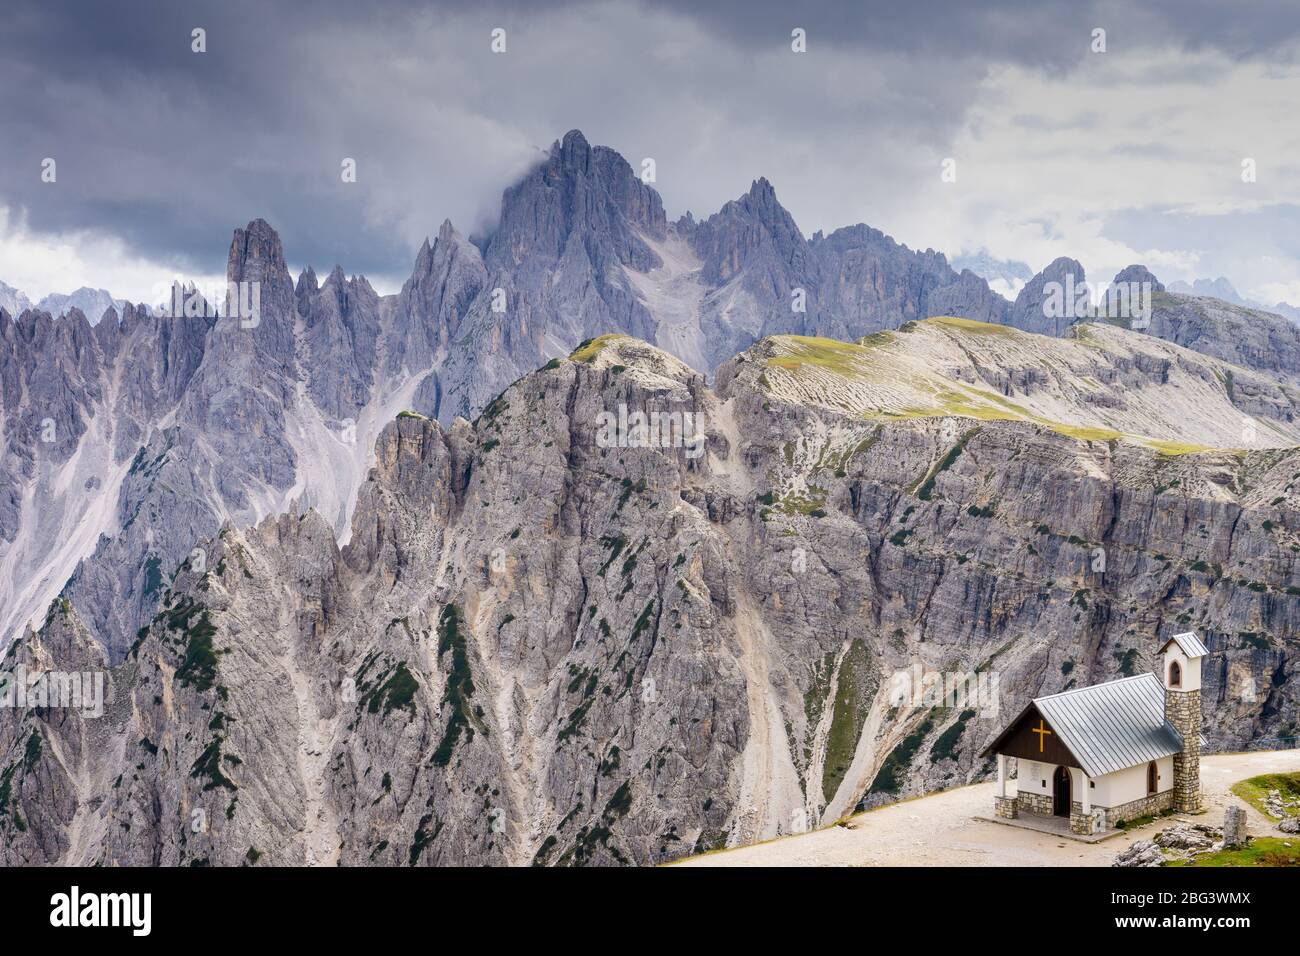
(1061, 792)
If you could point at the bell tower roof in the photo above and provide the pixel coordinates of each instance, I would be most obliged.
(1188, 643)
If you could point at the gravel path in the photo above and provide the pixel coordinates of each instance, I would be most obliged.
(939, 830)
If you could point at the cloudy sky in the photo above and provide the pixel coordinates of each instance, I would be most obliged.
(1131, 155)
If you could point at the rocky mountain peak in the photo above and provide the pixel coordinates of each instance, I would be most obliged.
(1219, 288)
(13, 300)
(583, 193)
(1030, 310)
(761, 203)
(761, 194)
(752, 231)
(450, 253)
(1062, 266)
(256, 253)
(572, 151)
(446, 279)
(307, 282)
(93, 303)
(1138, 274)
(256, 263)
(624, 354)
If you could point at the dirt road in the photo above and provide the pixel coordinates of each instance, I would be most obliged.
(939, 830)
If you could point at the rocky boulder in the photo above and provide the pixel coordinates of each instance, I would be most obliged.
(1143, 853)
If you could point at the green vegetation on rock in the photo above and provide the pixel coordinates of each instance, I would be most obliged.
(890, 777)
(854, 691)
(1255, 789)
(459, 688)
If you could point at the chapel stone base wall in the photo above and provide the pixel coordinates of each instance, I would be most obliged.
(1037, 803)
(1081, 822)
(1144, 807)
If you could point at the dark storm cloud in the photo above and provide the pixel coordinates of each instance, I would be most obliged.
(170, 150)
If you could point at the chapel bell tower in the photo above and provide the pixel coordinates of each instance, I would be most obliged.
(1181, 661)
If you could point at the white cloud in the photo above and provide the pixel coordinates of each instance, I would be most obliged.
(40, 264)
(1271, 293)
(1007, 288)
(1044, 161)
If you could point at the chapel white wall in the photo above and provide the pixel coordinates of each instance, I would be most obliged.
(1029, 777)
(1111, 790)
(1129, 784)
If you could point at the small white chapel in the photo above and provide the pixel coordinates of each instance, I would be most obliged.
(1101, 755)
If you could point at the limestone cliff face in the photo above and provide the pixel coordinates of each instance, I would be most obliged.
(553, 637)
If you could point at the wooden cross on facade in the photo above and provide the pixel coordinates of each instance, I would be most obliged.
(1042, 732)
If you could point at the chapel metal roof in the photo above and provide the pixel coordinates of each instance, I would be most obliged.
(1191, 644)
(1115, 725)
